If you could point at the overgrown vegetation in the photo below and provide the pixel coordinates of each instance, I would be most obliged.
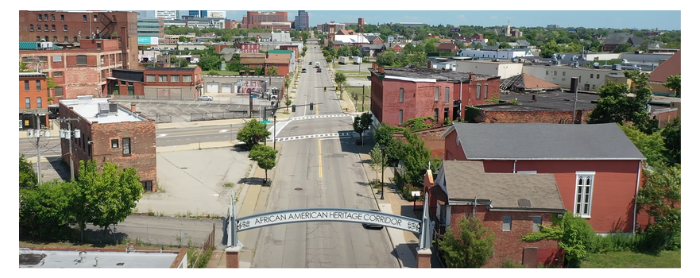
(101, 198)
(471, 247)
(573, 234)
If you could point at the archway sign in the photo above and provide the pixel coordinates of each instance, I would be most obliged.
(423, 227)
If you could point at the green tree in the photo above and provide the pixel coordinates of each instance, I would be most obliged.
(416, 158)
(329, 59)
(378, 160)
(430, 47)
(303, 49)
(548, 48)
(183, 39)
(615, 106)
(362, 124)
(650, 145)
(340, 79)
(209, 62)
(503, 45)
(287, 102)
(470, 246)
(660, 198)
(46, 210)
(265, 157)
(272, 70)
(672, 141)
(623, 47)
(344, 51)
(674, 83)
(252, 133)
(574, 235)
(182, 63)
(27, 176)
(386, 58)
(104, 198)
(355, 51)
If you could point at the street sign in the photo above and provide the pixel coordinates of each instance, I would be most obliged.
(265, 122)
(415, 193)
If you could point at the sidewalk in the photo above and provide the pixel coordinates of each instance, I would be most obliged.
(245, 203)
(404, 242)
(345, 102)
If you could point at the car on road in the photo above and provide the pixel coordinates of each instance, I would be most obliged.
(318, 70)
(372, 226)
(205, 98)
(303, 70)
(310, 63)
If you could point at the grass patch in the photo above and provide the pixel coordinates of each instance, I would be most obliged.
(358, 103)
(354, 73)
(627, 259)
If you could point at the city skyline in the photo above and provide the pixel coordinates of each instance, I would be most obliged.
(542, 18)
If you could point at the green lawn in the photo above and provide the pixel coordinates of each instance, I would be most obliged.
(667, 259)
(358, 90)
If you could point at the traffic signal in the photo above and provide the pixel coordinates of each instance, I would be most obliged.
(294, 108)
(311, 106)
(324, 88)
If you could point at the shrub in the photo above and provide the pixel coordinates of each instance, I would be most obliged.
(511, 264)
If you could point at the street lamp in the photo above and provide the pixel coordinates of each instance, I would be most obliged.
(274, 125)
(382, 147)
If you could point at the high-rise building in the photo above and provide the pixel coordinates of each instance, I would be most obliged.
(70, 27)
(169, 14)
(203, 13)
(303, 21)
(194, 13)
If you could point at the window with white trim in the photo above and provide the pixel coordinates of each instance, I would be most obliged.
(584, 193)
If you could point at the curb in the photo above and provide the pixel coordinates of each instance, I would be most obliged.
(391, 240)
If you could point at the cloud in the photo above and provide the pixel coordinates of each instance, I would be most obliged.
(494, 17)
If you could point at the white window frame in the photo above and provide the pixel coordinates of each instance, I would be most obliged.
(536, 228)
(579, 206)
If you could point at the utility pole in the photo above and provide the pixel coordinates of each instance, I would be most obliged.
(69, 134)
(38, 133)
(363, 98)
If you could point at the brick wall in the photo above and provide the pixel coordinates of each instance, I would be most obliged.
(507, 244)
(143, 144)
(614, 187)
(453, 151)
(431, 138)
(532, 116)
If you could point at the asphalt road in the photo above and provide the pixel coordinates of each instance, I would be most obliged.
(320, 172)
(51, 146)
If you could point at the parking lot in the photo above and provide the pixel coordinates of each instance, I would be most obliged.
(172, 111)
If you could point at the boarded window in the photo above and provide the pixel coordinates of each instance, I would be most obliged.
(174, 78)
(400, 117)
(162, 78)
(81, 60)
(187, 78)
(401, 95)
(58, 91)
(437, 93)
(150, 78)
(507, 222)
(447, 94)
(58, 73)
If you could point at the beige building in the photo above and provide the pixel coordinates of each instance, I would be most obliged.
(504, 69)
(589, 79)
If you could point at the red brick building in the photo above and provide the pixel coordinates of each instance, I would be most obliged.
(247, 47)
(79, 71)
(509, 205)
(158, 83)
(294, 48)
(400, 94)
(281, 61)
(33, 99)
(70, 27)
(596, 167)
(254, 19)
(111, 133)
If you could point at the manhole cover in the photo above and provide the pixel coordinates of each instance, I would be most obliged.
(298, 188)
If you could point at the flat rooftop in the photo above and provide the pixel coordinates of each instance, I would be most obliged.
(89, 109)
(427, 73)
(71, 259)
(561, 101)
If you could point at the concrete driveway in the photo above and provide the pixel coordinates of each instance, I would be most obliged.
(195, 181)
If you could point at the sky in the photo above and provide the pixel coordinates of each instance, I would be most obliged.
(664, 20)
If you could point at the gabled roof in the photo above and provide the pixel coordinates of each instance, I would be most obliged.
(467, 181)
(620, 38)
(447, 46)
(372, 38)
(671, 67)
(373, 46)
(252, 60)
(526, 82)
(522, 43)
(541, 141)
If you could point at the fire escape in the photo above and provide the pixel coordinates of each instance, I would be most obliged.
(108, 26)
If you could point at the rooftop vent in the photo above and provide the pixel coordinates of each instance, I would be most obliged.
(524, 203)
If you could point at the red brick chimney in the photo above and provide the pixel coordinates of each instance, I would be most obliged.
(133, 108)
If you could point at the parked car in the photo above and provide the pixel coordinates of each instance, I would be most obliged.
(303, 70)
(205, 98)
(318, 70)
(372, 226)
(310, 63)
